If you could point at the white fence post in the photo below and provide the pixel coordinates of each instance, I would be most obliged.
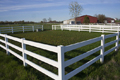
(69, 28)
(7, 47)
(103, 47)
(33, 28)
(12, 29)
(42, 27)
(52, 27)
(55, 27)
(89, 28)
(61, 27)
(117, 43)
(79, 28)
(61, 68)
(0, 30)
(102, 29)
(23, 28)
(118, 29)
(23, 53)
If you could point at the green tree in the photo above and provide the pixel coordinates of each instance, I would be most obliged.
(86, 19)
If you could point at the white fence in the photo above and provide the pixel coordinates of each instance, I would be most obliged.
(90, 28)
(60, 50)
(20, 29)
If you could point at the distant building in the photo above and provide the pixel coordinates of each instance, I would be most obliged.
(70, 21)
(80, 20)
(93, 19)
(109, 20)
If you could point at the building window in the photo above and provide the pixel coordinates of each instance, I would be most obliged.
(72, 22)
(78, 22)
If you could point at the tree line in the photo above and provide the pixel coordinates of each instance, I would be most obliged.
(16, 22)
(27, 22)
(49, 20)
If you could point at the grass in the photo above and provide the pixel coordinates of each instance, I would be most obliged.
(97, 71)
(12, 70)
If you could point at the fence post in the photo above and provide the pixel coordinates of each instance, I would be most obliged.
(12, 29)
(102, 29)
(61, 68)
(117, 43)
(52, 27)
(89, 28)
(69, 28)
(23, 53)
(118, 29)
(23, 28)
(33, 28)
(61, 27)
(55, 27)
(0, 30)
(7, 47)
(42, 27)
(79, 28)
(103, 47)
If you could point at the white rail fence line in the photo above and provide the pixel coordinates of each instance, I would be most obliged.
(60, 50)
(20, 29)
(90, 28)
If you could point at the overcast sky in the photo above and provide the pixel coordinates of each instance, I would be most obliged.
(36, 10)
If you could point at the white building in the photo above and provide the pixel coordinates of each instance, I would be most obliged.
(70, 21)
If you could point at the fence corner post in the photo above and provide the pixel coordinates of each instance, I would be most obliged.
(61, 68)
(23, 53)
(103, 47)
(117, 43)
(7, 47)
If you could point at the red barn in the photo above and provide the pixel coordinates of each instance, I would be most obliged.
(81, 19)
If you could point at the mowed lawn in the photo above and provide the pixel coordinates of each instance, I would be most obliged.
(109, 70)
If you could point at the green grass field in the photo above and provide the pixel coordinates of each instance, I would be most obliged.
(108, 71)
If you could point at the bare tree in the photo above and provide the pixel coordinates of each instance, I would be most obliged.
(44, 20)
(75, 9)
(49, 19)
(101, 17)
